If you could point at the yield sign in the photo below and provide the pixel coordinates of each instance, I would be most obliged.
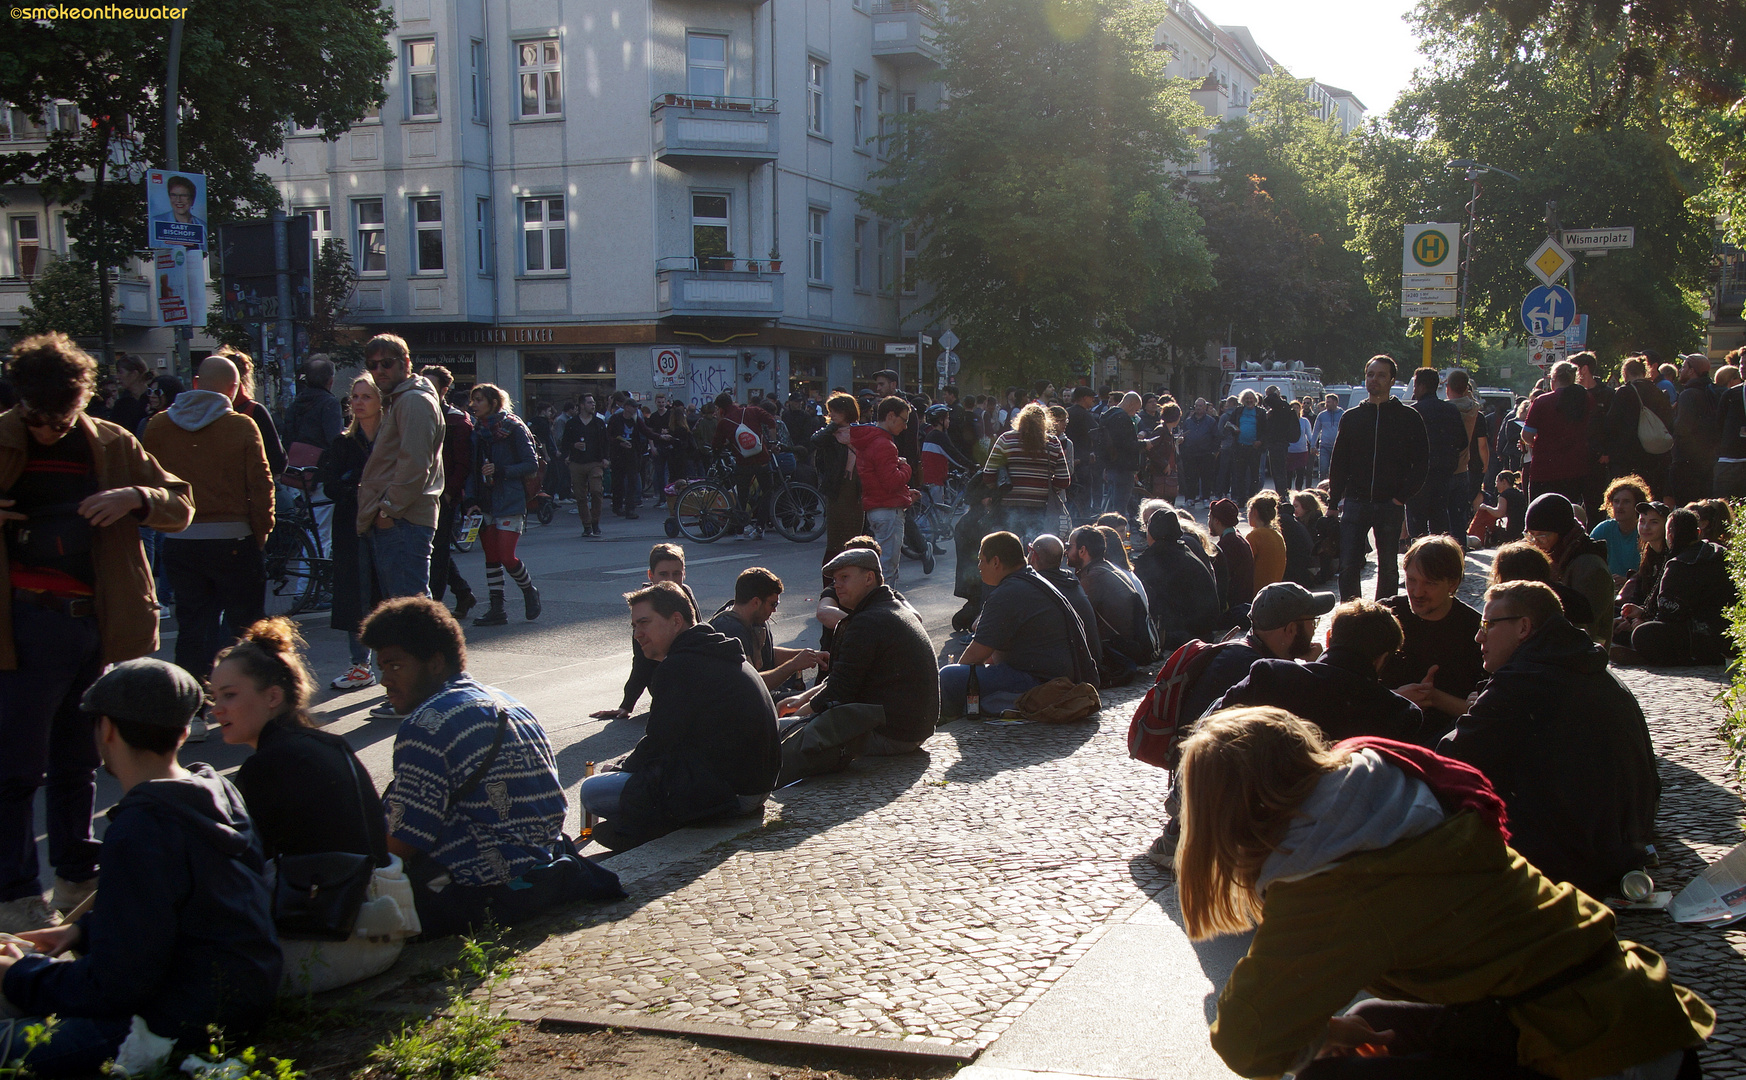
(1549, 261)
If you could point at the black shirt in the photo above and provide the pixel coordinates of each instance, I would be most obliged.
(304, 797)
(1448, 643)
(52, 550)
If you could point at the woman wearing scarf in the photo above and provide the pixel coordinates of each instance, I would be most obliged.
(503, 453)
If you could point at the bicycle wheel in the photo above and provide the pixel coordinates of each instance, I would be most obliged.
(927, 520)
(463, 524)
(704, 510)
(293, 571)
(799, 510)
(547, 508)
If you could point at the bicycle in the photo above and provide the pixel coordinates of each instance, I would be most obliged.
(709, 509)
(299, 571)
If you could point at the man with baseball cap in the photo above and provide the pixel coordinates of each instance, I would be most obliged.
(181, 931)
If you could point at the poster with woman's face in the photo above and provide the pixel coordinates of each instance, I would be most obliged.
(176, 209)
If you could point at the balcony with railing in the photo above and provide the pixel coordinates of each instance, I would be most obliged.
(691, 127)
(719, 286)
(904, 32)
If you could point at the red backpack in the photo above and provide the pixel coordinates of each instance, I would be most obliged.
(1156, 732)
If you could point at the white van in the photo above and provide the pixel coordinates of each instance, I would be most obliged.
(1296, 382)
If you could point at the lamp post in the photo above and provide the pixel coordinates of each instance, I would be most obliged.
(1474, 170)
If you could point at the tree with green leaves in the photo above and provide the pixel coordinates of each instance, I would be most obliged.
(1049, 228)
(63, 296)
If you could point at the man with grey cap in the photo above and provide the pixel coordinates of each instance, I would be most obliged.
(181, 932)
(880, 655)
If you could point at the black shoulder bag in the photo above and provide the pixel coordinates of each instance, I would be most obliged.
(316, 897)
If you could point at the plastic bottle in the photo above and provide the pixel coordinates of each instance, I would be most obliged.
(973, 696)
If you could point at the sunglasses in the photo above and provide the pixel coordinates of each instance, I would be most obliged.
(1485, 625)
(381, 364)
(48, 422)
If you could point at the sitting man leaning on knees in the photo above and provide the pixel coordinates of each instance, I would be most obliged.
(1372, 868)
(475, 809)
(757, 591)
(710, 749)
(1027, 633)
(1562, 740)
(1045, 556)
(881, 657)
(666, 563)
(1283, 626)
(1342, 693)
(181, 934)
(1118, 607)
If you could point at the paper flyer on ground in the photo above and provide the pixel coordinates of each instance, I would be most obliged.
(1718, 894)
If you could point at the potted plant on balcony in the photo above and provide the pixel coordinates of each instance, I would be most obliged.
(775, 261)
(724, 261)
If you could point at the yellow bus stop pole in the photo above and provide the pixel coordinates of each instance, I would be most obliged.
(1425, 361)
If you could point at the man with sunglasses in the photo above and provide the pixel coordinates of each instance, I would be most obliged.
(402, 484)
(1562, 740)
(73, 492)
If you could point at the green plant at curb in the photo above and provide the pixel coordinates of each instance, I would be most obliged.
(34, 1036)
(1733, 697)
(221, 1063)
(467, 1038)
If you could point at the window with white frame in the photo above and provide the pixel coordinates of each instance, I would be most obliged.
(859, 272)
(545, 246)
(26, 246)
(63, 116)
(482, 236)
(817, 227)
(909, 103)
(370, 236)
(705, 65)
(427, 229)
(709, 225)
(860, 110)
(476, 57)
(542, 77)
(320, 229)
(883, 104)
(884, 257)
(815, 97)
(909, 255)
(421, 80)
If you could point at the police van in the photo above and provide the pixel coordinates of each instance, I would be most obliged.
(1295, 381)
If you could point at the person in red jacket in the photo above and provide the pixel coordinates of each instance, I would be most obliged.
(884, 475)
(747, 465)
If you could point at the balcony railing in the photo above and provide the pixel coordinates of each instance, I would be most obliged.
(904, 31)
(717, 287)
(692, 126)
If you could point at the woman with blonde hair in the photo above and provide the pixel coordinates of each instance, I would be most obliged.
(1377, 867)
(1035, 466)
(342, 466)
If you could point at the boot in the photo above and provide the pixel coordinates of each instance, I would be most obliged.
(464, 602)
(531, 597)
(494, 615)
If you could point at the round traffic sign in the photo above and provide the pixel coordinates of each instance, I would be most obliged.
(1547, 310)
(1431, 248)
(667, 362)
(948, 363)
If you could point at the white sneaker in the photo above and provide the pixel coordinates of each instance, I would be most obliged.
(358, 677)
(1162, 853)
(384, 711)
(25, 914)
(198, 729)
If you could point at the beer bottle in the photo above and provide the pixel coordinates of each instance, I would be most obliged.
(973, 696)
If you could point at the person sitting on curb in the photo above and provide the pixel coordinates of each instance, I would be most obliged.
(757, 591)
(1562, 740)
(1282, 627)
(1181, 594)
(1684, 620)
(475, 809)
(181, 933)
(666, 563)
(880, 656)
(1342, 693)
(1120, 609)
(1579, 562)
(1237, 555)
(710, 749)
(1045, 556)
(1027, 633)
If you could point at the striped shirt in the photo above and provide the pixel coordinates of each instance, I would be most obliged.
(1032, 476)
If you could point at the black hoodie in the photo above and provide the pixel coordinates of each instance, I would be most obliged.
(1340, 693)
(1380, 454)
(1566, 746)
(711, 736)
(1181, 593)
(182, 932)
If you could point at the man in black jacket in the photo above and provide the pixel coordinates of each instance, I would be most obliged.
(1121, 456)
(585, 450)
(960, 426)
(1281, 430)
(1341, 693)
(710, 748)
(1445, 438)
(1181, 595)
(1563, 742)
(1086, 435)
(1378, 464)
(1694, 432)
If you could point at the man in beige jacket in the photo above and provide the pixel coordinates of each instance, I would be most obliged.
(402, 485)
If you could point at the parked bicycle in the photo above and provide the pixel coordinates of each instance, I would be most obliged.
(709, 509)
(299, 565)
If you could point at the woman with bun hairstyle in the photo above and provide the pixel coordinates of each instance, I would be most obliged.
(1376, 867)
(306, 791)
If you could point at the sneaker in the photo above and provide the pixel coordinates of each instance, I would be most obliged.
(1162, 853)
(70, 894)
(384, 711)
(356, 678)
(756, 532)
(198, 729)
(25, 914)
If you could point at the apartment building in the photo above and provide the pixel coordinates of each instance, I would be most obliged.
(563, 197)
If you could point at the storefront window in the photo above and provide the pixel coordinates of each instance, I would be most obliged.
(807, 374)
(557, 378)
(464, 366)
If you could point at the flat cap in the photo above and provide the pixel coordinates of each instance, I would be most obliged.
(146, 691)
(865, 558)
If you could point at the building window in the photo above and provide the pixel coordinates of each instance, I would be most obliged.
(883, 104)
(63, 116)
(482, 235)
(320, 229)
(860, 110)
(817, 226)
(709, 226)
(477, 56)
(859, 272)
(909, 103)
(884, 256)
(706, 65)
(427, 227)
(543, 236)
(542, 78)
(815, 97)
(26, 246)
(909, 252)
(372, 237)
(421, 80)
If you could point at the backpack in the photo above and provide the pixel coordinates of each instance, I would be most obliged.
(1059, 701)
(747, 443)
(1652, 433)
(1156, 732)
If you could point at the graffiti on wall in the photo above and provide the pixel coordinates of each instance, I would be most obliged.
(709, 377)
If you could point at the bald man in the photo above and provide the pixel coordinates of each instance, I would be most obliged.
(214, 565)
(1045, 556)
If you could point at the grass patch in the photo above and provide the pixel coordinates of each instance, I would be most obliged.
(467, 1038)
(1733, 697)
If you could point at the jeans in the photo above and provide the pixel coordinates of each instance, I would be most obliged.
(1277, 469)
(1198, 477)
(360, 653)
(77, 1045)
(887, 525)
(991, 678)
(1358, 518)
(1324, 462)
(627, 484)
(1118, 492)
(221, 588)
(1428, 510)
(48, 738)
(395, 561)
(1245, 472)
(600, 793)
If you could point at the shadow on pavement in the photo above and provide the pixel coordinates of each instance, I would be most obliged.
(613, 741)
(1218, 957)
(1019, 746)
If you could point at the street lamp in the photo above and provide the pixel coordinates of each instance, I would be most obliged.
(1474, 170)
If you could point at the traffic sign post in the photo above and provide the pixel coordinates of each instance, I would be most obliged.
(1428, 259)
(1547, 311)
(1599, 241)
(1549, 261)
(1425, 360)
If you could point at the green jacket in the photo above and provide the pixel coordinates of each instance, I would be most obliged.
(1451, 916)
